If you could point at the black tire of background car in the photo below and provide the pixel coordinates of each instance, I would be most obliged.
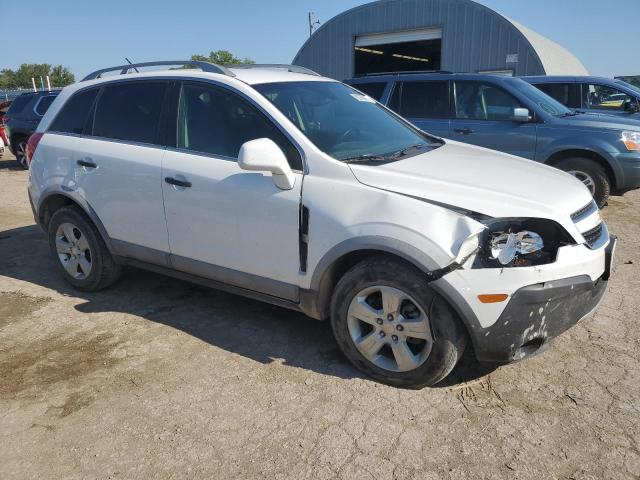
(20, 152)
(595, 171)
(450, 336)
(104, 271)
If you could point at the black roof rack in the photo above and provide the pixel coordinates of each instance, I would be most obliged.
(405, 72)
(204, 66)
(282, 66)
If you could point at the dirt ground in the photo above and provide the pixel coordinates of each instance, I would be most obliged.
(157, 378)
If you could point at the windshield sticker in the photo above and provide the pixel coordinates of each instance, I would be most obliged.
(363, 98)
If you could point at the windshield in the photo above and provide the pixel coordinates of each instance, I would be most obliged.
(544, 101)
(629, 85)
(346, 124)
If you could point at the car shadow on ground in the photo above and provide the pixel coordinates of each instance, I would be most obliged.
(10, 164)
(262, 332)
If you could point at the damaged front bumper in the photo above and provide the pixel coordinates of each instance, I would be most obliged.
(535, 314)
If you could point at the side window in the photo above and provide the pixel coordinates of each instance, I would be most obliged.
(43, 104)
(374, 90)
(130, 111)
(216, 121)
(483, 101)
(74, 114)
(425, 99)
(566, 93)
(601, 97)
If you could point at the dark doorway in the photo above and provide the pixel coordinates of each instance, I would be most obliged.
(423, 55)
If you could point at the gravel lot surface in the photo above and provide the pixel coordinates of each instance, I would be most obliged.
(157, 378)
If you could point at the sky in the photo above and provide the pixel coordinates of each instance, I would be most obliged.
(85, 35)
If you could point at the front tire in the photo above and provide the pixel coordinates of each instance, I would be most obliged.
(79, 251)
(591, 174)
(393, 327)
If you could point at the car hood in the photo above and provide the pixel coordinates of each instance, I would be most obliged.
(480, 180)
(605, 121)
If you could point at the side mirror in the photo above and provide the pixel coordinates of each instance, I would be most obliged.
(521, 115)
(263, 155)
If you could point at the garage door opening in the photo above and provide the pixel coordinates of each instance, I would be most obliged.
(398, 52)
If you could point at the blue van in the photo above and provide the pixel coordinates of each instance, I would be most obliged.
(510, 115)
(592, 94)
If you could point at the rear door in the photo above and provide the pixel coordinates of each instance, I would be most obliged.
(118, 163)
(425, 103)
(226, 223)
(483, 114)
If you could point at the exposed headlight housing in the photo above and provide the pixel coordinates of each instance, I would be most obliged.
(520, 242)
(631, 140)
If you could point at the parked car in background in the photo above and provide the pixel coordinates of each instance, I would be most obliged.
(1, 147)
(592, 94)
(22, 118)
(510, 115)
(410, 244)
(4, 106)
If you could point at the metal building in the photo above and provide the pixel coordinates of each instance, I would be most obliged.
(424, 35)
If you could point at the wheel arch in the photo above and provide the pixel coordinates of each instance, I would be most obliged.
(555, 158)
(53, 201)
(337, 261)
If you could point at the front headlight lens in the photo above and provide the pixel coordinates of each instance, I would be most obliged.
(520, 242)
(506, 246)
(631, 140)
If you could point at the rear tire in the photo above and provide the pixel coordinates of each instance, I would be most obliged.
(592, 174)
(377, 284)
(80, 252)
(20, 151)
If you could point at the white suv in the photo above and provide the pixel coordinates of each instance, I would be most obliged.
(281, 185)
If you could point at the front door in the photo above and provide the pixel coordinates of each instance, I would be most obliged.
(483, 114)
(225, 223)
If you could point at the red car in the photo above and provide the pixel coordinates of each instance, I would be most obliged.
(4, 106)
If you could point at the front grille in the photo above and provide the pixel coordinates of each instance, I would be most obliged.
(584, 212)
(593, 235)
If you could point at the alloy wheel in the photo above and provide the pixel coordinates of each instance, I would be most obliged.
(585, 178)
(73, 251)
(389, 328)
(21, 153)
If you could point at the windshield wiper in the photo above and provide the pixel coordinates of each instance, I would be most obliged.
(366, 158)
(405, 151)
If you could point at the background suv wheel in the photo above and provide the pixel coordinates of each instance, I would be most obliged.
(20, 151)
(81, 254)
(591, 174)
(393, 327)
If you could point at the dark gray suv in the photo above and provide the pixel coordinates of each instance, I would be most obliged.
(22, 119)
(510, 115)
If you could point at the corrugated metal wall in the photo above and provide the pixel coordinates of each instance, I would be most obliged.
(474, 37)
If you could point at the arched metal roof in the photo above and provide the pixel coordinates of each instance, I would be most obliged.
(474, 38)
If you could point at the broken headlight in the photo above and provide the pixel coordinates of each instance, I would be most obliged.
(514, 242)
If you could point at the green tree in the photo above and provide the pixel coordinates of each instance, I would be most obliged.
(21, 78)
(221, 57)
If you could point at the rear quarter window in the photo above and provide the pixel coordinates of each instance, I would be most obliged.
(43, 104)
(74, 114)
